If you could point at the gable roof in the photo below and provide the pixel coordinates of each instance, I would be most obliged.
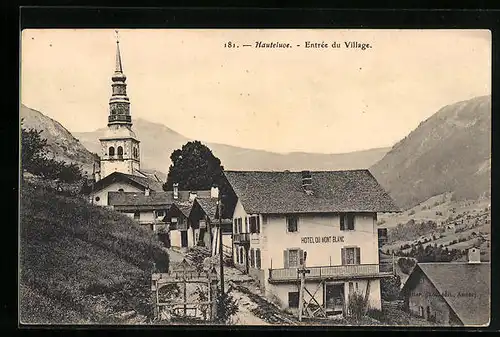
(123, 201)
(140, 182)
(139, 201)
(209, 206)
(183, 206)
(454, 278)
(333, 191)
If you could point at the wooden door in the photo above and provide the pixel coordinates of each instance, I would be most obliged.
(184, 239)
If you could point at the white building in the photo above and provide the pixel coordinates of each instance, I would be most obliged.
(330, 215)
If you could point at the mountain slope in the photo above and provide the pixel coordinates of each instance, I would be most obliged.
(449, 152)
(158, 142)
(60, 142)
(73, 270)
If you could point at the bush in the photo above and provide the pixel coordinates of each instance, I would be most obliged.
(390, 288)
(406, 265)
(227, 307)
(357, 305)
(379, 315)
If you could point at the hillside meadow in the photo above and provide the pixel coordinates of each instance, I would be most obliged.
(73, 270)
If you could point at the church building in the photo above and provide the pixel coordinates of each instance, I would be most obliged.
(120, 161)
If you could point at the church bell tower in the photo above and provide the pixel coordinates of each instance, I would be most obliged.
(119, 146)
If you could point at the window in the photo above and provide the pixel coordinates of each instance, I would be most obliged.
(351, 288)
(356, 286)
(257, 258)
(120, 190)
(351, 255)
(160, 213)
(293, 299)
(111, 151)
(97, 198)
(120, 151)
(291, 224)
(291, 257)
(346, 221)
(235, 225)
(252, 258)
(173, 223)
(241, 255)
(135, 152)
(254, 224)
(240, 226)
(137, 215)
(152, 227)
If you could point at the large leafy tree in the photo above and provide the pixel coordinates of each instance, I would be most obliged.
(194, 167)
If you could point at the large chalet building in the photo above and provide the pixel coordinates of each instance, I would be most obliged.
(330, 215)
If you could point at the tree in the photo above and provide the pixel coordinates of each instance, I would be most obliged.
(32, 149)
(194, 167)
(34, 159)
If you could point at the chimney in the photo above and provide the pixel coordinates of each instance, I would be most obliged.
(474, 255)
(146, 191)
(192, 196)
(307, 181)
(214, 192)
(176, 190)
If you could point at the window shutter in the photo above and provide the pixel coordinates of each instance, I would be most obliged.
(358, 255)
(285, 258)
(342, 223)
(257, 257)
(235, 224)
(342, 253)
(258, 223)
(301, 257)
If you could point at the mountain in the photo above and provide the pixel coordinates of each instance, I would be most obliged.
(60, 142)
(448, 152)
(159, 141)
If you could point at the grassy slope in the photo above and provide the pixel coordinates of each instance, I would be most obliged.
(73, 271)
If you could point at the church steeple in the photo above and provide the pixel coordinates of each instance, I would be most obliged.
(119, 104)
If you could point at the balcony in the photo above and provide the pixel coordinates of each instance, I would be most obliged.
(355, 271)
(241, 237)
(119, 118)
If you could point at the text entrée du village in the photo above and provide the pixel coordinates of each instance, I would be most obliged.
(308, 45)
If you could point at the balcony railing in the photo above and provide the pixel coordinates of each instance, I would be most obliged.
(241, 237)
(120, 118)
(332, 272)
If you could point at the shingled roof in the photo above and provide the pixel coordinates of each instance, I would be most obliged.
(209, 206)
(454, 278)
(140, 182)
(333, 191)
(123, 201)
(138, 201)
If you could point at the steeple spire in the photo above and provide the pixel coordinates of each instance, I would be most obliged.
(119, 104)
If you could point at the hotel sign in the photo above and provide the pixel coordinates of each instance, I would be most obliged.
(322, 239)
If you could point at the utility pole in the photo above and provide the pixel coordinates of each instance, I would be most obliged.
(302, 271)
(219, 204)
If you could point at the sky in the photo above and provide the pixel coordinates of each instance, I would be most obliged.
(331, 100)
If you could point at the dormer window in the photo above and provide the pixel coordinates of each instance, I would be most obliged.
(120, 151)
(111, 151)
